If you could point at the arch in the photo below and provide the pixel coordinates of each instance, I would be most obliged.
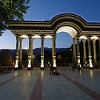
(68, 29)
(73, 20)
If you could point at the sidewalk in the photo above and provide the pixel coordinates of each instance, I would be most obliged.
(40, 85)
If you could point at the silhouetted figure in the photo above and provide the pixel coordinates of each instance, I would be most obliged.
(53, 71)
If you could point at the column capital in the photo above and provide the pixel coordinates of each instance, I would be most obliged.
(17, 36)
(42, 36)
(20, 38)
(94, 40)
(83, 40)
(53, 36)
(30, 35)
(89, 38)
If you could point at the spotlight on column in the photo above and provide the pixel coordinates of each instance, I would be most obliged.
(29, 64)
(91, 65)
(54, 64)
(16, 64)
(42, 64)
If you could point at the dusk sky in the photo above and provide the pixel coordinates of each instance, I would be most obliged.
(46, 10)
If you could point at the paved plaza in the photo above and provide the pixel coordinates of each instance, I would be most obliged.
(40, 85)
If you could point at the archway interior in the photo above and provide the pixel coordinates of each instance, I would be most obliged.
(71, 33)
(67, 29)
(64, 36)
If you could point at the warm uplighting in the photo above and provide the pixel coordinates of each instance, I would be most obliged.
(26, 48)
(54, 65)
(16, 73)
(24, 36)
(83, 37)
(29, 63)
(42, 65)
(91, 65)
(94, 38)
(67, 29)
(16, 64)
(48, 36)
(36, 36)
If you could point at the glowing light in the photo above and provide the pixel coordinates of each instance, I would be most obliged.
(16, 64)
(26, 48)
(24, 36)
(48, 36)
(42, 64)
(94, 38)
(90, 63)
(36, 36)
(29, 63)
(67, 29)
(54, 64)
(83, 37)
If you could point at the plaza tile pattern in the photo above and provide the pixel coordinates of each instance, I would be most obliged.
(40, 85)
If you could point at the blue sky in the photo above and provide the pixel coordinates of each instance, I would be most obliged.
(46, 10)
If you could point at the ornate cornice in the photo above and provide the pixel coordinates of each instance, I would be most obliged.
(50, 27)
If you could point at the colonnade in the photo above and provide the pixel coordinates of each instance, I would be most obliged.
(18, 61)
(76, 51)
(92, 62)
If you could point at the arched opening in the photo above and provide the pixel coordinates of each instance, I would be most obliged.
(64, 45)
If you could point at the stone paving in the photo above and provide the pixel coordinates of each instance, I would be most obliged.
(40, 85)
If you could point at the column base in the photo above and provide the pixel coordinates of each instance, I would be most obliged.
(91, 68)
(29, 68)
(16, 68)
(42, 68)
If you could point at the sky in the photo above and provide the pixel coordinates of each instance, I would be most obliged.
(41, 10)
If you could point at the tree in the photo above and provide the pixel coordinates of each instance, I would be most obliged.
(6, 58)
(12, 10)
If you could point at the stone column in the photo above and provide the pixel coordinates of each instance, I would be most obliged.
(94, 49)
(89, 53)
(99, 49)
(20, 54)
(78, 51)
(54, 51)
(84, 49)
(74, 48)
(94, 52)
(17, 52)
(42, 52)
(30, 53)
(74, 61)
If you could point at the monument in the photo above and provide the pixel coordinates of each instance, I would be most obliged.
(76, 26)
